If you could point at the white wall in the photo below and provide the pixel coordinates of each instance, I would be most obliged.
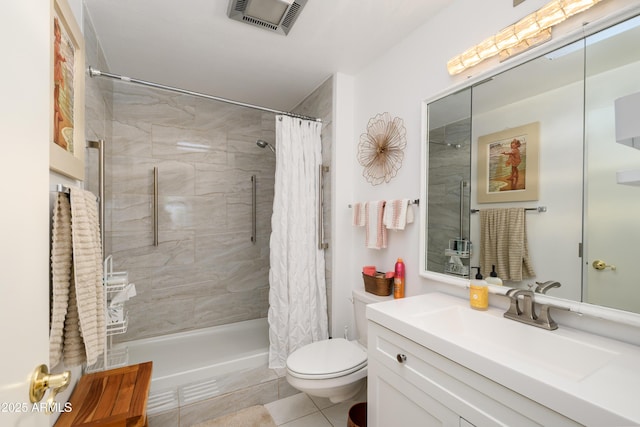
(398, 82)
(553, 236)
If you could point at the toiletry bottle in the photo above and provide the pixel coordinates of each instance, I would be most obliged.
(398, 281)
(493, 278)
(478, 292)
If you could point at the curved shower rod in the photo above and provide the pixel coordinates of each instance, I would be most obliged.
(93, 73)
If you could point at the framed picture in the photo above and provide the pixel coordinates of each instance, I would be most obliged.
(508, 165)
(67, 144)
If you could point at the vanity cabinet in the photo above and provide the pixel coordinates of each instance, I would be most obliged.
(408, 384)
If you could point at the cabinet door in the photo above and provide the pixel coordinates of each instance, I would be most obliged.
(395, 402)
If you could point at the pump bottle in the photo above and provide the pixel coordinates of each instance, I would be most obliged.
(493, 278)
(479, 292)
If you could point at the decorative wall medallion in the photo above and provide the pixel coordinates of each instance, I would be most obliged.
(381, 148)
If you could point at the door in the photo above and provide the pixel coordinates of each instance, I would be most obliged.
(24, 206)
(612, 209)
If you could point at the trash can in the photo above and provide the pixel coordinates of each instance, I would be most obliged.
(358, 415)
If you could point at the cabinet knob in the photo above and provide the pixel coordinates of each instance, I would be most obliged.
(401, 358)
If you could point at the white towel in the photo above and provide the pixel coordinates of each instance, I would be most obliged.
(397, 214)
(375, 232)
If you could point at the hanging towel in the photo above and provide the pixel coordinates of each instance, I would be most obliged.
(397, 214)
(78, 328)
(503, 243)
(375, 232)
(358, 215)
(61, 276)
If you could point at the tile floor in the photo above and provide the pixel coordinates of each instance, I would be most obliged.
(301, 410)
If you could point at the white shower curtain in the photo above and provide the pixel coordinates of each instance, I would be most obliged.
(297, 296)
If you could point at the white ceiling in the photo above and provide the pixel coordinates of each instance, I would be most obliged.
(192, 44)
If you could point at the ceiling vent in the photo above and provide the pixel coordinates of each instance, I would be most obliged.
(273, 15)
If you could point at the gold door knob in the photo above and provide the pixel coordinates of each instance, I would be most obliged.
(41, 380)
(601, 265)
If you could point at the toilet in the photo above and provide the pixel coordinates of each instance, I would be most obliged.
(334, 368)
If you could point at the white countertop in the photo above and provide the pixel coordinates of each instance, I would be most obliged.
(588, 378)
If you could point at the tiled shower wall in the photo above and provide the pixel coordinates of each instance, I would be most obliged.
(448, 165)
(205, 271)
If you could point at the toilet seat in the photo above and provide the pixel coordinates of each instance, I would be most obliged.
(326, 359)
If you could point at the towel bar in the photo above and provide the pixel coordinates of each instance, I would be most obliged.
(411, 202)
(537, 209)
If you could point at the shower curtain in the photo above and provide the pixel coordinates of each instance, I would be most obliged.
(297, 295)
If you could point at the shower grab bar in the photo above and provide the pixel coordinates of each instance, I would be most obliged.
(99, 145)
(321, 171)
(253, 209)
(463, 184)
(155, 206)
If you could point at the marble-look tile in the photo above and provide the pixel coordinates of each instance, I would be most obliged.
(285, 389)
(227, 403)
(138, 104)
(185, 144)
(291, 408)
(131, 140)
(136, 250)
(226, 383)
(166, 419)
(317, 419)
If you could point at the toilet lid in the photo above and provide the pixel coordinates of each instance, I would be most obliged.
(326, 359)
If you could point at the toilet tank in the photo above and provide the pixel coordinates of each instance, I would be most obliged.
(360, 300)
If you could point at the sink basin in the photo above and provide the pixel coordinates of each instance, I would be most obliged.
(490, 333)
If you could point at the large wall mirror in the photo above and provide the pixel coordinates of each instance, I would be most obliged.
(541, 137)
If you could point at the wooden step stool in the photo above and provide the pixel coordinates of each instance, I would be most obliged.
(112, 398)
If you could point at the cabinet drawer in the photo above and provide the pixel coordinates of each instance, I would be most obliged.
(472, 396)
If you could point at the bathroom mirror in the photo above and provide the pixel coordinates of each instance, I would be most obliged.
(580, 224)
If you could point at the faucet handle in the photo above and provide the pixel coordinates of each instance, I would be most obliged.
(514, 309)
(543, 287)
(544, 319)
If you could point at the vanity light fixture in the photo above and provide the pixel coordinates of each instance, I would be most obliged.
(531, 30)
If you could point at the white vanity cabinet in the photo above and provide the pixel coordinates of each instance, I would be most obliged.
(408, 384)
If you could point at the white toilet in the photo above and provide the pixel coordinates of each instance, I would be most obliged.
(335, 368)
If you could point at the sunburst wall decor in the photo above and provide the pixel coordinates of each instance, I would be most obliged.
(381, 148)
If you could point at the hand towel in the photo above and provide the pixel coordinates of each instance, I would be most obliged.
(503, 243)
(61, 256)
(358, 215)
(375, 232)
(88, 271)
(397, 214)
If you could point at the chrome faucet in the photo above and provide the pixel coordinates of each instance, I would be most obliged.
(526, 313)
(543, 287)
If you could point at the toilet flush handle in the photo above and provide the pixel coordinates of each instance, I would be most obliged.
(401, 358)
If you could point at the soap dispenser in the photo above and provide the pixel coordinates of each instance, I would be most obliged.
(478, 292)
(493, 278)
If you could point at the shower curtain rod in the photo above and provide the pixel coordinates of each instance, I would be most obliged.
(93, 73)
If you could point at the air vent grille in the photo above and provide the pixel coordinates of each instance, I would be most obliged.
(259, 23)
(240, 6)
(291, 15)
(237, 11)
